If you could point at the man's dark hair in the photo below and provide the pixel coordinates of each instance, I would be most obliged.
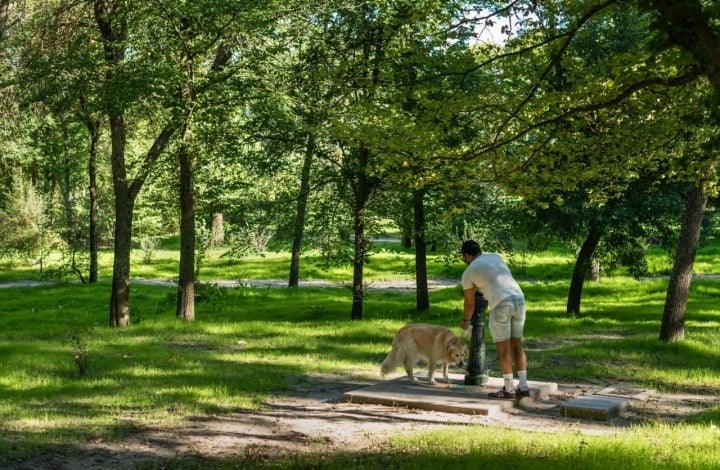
(470, 247)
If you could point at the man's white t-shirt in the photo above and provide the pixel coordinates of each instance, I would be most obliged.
(489, 273)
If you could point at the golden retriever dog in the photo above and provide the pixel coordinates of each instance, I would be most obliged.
(423, 341)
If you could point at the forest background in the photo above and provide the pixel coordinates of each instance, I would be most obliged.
(315, 125)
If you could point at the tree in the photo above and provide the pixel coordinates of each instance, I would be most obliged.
(56, 83)
(299, 224)
(688, 25)
(185, 307)
(113, 22)
(618, 152)
(396, 115)
(174, 78)
(534, 118)
(92, 124)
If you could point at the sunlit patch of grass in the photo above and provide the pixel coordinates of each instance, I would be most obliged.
(646, 447)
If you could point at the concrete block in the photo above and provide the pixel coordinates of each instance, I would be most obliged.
(594, 407)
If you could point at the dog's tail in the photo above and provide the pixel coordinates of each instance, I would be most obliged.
(390, 363)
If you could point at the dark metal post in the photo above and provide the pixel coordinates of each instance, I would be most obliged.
(476, 371)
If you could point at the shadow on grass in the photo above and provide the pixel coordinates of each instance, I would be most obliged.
(264, 446)
(249, 344)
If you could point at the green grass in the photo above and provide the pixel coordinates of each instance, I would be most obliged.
(248, 344)
(386, 262)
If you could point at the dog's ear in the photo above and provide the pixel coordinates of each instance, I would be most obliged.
(455, 343)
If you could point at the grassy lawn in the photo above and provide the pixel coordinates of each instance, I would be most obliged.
(250, 343)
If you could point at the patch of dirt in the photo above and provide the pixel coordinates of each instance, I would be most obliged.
(315, 419)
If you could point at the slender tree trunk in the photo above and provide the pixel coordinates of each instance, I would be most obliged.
(673, 321)
(299, 227)
(113, 29)
(593, 271)
(125, 196)
(71, 234)
(124, 207)
(186, 277)
(422, 296)
(94, 129)
(120, 295)
(362, 193)
(583, 262)
(218, 229)
(372, 54)
(5, 7)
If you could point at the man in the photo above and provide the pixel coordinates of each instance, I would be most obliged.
(489, 274)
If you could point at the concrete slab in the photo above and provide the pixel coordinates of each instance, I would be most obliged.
(450, 398)
(594, 407)
(626, 392)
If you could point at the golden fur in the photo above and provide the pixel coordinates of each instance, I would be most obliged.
(423, 341)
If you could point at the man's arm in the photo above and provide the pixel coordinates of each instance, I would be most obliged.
(468, 307)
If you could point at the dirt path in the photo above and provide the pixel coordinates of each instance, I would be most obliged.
(315, 419)
(405, 285)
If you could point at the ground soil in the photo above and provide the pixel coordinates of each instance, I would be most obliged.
(314, 418)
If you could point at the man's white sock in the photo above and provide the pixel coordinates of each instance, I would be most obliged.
(522, 377)
(509, 382)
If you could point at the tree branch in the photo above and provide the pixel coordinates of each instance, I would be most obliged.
(692, 74)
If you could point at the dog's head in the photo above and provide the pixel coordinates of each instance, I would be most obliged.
(457, 350)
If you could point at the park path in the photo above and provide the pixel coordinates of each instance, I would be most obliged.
(403, 285)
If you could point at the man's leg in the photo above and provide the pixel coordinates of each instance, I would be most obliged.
(500, 330)
(520, 361)
(505, 354)
(506, 366)
(518, 354)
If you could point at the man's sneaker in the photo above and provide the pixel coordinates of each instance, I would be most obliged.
(503, 394)
(522, 392)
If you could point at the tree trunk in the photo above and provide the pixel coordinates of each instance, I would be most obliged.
(421, 285)
(114, 30)
(71, 233)
(125, 196)
(673, 321)
(120, 295)
(5, 7)
(124, 206)
(94, 130)
(362, 193)
(299, 226)
(593, 271)
(218, 229)
(186, 276)
(583, 262)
